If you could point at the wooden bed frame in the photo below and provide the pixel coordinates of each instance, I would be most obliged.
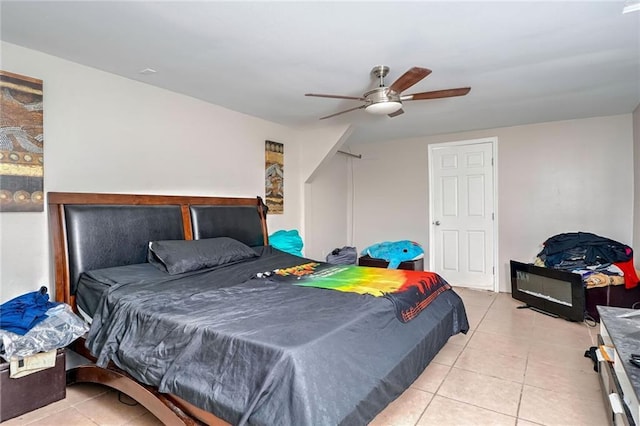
(168, 408)
(91, 232)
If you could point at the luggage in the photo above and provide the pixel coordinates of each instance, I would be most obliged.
(343, 256)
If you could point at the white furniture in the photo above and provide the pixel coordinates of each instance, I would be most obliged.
(620, 380)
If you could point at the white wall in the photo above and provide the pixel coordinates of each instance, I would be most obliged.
(390, 193)
(318, 147)
(553, 177)
(105, 133)
(327, 218)
(636, 186)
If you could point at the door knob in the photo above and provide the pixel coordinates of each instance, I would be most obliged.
(436, 223)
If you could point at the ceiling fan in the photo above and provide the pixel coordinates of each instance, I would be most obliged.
(388, 100)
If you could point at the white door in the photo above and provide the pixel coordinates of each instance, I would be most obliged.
(463, 212)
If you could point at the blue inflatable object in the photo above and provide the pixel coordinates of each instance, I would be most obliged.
(395, 252)
(287, 241)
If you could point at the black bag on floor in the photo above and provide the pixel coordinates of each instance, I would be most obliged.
(343, 256)
(591, 353)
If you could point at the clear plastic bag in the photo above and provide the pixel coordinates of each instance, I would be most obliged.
(59, 329)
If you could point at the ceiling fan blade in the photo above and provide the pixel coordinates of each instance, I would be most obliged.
(397, 113)
(436, 94)
(409, 78)
(342, 112)
(321, 95)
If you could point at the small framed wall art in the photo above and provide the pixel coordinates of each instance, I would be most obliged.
(274, 177)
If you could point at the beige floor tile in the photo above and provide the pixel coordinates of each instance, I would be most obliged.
(476, 297)
(519, 327)
(448, 354)
(40, 413)
(564, 356)
(561, 379)
(405, 410)
(67, 417)
(447, 412)
(563, 333)
(432, 377)
(475, 315)
(505, 301)
(542, 320)
(482, 391)
(509, 312)
(560, 409)
(107, 410)
(80, 392)
(146, 419)
(485, 361)
(560, 326)
(460, 338)
(500, 343)
(521, 422)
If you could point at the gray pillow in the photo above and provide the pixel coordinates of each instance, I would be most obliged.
(178, 256)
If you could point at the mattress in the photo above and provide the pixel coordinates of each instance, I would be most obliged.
(92, 285)
(254, 351)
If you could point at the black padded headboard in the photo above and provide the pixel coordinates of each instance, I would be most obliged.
(91, 230)
(100, 236)
(242, 223)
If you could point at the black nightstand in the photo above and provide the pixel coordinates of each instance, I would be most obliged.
(411, 265)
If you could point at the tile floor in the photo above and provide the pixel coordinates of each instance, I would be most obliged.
(515, 367)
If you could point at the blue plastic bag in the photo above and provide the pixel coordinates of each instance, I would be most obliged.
(287, 241)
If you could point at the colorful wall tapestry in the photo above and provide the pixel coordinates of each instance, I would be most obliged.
(21, 144)
(274, 177)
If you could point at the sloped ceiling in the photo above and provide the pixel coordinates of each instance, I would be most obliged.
(526, 62)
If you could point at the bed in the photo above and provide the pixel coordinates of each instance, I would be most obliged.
(228, 343)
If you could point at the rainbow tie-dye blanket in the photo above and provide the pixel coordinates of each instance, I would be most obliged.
(410, 291)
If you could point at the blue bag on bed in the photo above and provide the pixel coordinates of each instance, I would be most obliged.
(287, 241)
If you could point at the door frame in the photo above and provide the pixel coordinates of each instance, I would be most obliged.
(494, 148)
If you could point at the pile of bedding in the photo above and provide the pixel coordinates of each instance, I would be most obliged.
(600, 261)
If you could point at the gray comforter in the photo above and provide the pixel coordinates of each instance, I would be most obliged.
(257, 352)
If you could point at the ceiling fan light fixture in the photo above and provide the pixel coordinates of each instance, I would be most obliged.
(385, 100)
(383, 108)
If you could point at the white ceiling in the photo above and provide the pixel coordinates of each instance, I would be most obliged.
(526, 62)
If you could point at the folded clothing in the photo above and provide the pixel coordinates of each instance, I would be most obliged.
(22, 313)
(602, 280)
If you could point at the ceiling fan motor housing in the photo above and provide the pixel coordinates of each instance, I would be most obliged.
(381, 94)
(382, 101)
